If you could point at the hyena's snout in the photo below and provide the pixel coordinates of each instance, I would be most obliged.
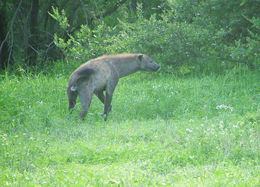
(154, 67)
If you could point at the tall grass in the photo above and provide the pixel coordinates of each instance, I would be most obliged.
(163, 130)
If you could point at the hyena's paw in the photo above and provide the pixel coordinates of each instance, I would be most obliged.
(109, 110)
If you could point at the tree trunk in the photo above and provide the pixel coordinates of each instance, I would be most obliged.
(33, 37)
(5, 55)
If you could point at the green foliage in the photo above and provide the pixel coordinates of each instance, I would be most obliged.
(189, 32)
(170, 43)
(249, 51)
(185, 37)
(61, 18)
(184, 10)
(85, 43)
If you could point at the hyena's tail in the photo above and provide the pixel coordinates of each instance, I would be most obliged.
(78, 74)
(72, 85)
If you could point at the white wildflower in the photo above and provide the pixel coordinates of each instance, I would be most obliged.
(191, 120)
(221, 124)
(225, 107)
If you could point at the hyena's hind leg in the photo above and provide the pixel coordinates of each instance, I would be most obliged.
(109, 93)
(72, 96)
(85, 97)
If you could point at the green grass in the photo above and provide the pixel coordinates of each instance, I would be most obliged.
(198, 130)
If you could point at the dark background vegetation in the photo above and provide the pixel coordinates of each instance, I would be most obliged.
(185, 35)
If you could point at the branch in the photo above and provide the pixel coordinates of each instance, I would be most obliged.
(112, 9)
(10, 30)
(238, 61)
(74, 8)
(107, 13)
(243, 61)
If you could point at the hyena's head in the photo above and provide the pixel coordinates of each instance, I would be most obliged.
(146, 63)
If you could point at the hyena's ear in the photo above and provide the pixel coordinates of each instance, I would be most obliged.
(140, 57)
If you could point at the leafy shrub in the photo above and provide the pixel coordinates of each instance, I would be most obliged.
(248, 52)
(169, 39)
(85, 44)
(171, 43)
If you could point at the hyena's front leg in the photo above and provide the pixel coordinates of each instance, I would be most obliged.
(101, 97)
(107, 105)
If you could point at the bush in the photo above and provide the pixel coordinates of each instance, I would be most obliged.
(170, 43)
(168, 39)
(248, 52)
(173, 44)
(85, 44)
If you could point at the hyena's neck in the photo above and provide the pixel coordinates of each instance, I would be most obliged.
(126, 67)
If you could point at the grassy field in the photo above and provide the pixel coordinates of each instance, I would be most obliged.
(197, 130)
